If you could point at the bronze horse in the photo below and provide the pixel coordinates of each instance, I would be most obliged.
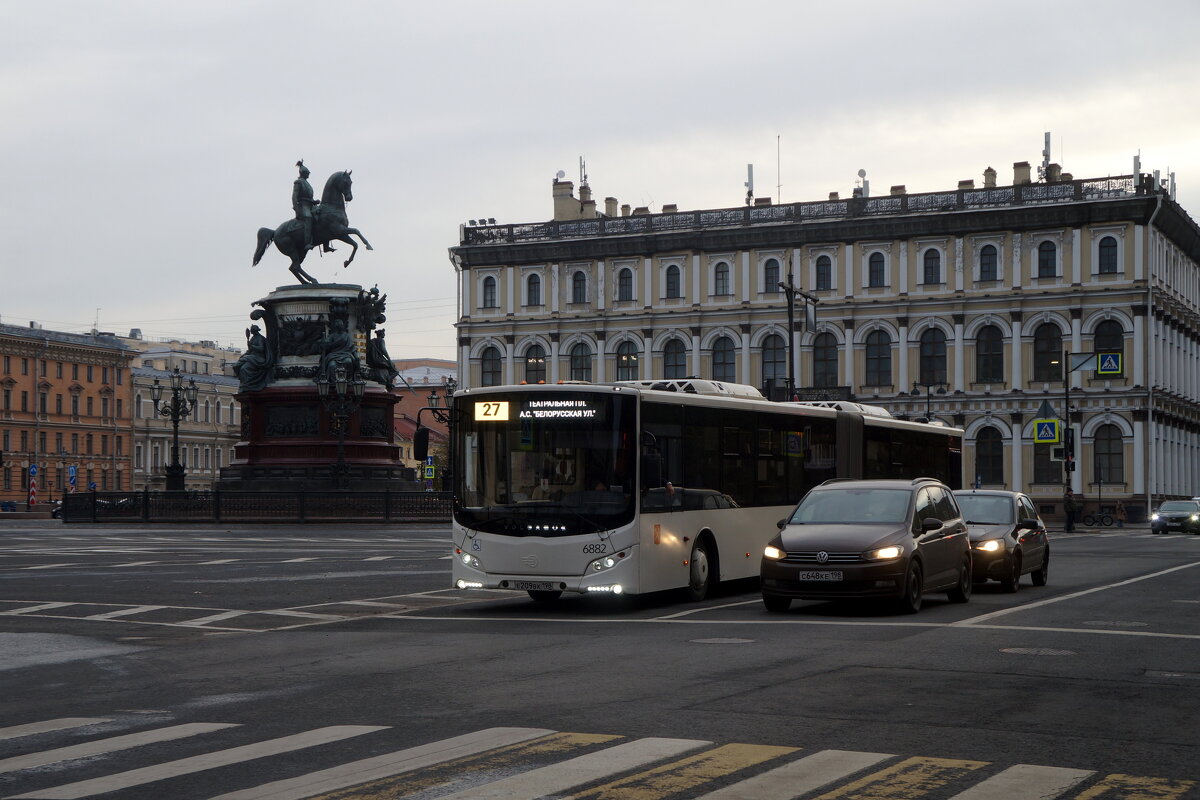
(329, 224)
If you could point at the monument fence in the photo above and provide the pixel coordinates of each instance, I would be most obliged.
(254, 507)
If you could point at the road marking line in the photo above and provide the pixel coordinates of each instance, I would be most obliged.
(187, 766)
(1072, 595)
(201, 621)
(564, 776)
(32, 728)
(110, 745)
(219, 561)
(387, 765)
(31, 609)
(800, 777)
(137, 564)
(124, 612)
(1133, 786)
(51, 566)
(1026, 780)
(685, 774)
(379, 558)
(296, 560)
(913, 777)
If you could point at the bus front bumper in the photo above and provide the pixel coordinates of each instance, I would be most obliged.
(621, 578)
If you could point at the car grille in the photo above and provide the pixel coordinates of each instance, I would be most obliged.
(810, 557)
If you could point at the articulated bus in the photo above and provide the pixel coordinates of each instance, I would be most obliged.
(643, 486)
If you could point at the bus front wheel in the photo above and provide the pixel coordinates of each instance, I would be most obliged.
(699, 576)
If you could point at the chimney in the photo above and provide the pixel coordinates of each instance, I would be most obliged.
(966, 185)
(641, 210)
(565, 205)
(833, 195)
(1067, 177)
(625, 210)
(1021, 173)
(989, 178)
(898, 189)
(670, 208)
(610, 206)
(1053, 173)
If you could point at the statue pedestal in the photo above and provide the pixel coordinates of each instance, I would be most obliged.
(290, 440)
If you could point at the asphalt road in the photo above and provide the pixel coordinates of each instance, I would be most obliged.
(195, 662)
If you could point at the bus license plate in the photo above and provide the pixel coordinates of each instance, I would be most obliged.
(821, 575)
(534, 586)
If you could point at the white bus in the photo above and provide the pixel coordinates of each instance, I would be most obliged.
(643, 486)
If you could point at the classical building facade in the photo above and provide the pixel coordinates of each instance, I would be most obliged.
(206, 436)
(962, 305)
(65, 406)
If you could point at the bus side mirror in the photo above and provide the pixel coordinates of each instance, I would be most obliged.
(421, 444)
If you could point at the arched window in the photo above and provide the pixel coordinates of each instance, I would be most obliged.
(824, 273)
(774, 360)
(724, 360)
(879, 359)
(674, 360)
(989, 456)
(933, 356)
(137, 406)
(988, 263)
(989, 355)
(1110, 338)
(489, 292)
(875, 271)
(1109, 448)
(581, 362)
(489, 364)
(579, 288)
(627, 361)
(535, 364)
(825, 361)
(771, 276)
(673, 281)
(721, 279)
(625, 284)
(533, 291)
(933, 266)
(1047, 353)
(1047, 260)
(1108, 256)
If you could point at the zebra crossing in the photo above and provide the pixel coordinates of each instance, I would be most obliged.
(86, 757)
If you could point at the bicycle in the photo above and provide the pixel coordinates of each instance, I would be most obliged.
(1098, 519)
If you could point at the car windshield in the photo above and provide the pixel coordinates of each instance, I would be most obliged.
(853, 505)
(1181, 505)
(983, 509)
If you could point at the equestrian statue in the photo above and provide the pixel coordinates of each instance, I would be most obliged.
(315, 223)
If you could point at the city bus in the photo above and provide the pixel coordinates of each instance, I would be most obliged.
(644, 486)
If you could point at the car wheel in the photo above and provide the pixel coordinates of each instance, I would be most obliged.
(776, 604)
(961, 592)
(910, 601)
(699, 578)
(544, 596)
(1042, 573)
(1012, 581)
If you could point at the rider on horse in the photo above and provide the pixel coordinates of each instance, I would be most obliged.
(305, 206)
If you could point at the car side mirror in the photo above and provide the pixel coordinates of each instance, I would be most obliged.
(1030, 524)
(781, 524)
(930, 524)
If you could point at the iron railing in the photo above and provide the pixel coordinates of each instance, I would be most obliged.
(961, 200)
(230, 506)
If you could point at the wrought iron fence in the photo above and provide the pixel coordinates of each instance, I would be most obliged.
(229, 506)
(962, 199)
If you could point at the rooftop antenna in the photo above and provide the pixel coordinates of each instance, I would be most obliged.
(778, 178)
(749, 184)
(1137, 166)
(558, 176)
(866, 184)
(582, 172)
(1044, 169)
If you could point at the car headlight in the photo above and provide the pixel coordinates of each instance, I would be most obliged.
(884, 553)
(1194, 517)
(774, 553)
(1154, 517)
(990, 546)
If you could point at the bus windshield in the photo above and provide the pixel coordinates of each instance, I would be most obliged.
(545, 463)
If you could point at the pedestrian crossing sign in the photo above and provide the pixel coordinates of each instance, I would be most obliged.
(1045, 431)
(1109, 364)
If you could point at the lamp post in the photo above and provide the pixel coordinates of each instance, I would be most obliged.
(183, 400)
(793, 291)
(446, 417)
(341, 397)
(916, 392)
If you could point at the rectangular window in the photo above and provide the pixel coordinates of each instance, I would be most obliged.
(103, 444)
(75, 443)
(104, 407)
(119, 409)
(74, 372)
(7, 365)
(24, 401)
(89, 373)
(45, 368)
(58, 369)
(58, 404)
(104, 374)
(137, 457)
(89, 407)
(24, 366)
(120, 444)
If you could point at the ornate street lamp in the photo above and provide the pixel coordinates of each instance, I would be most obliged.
(916, 392)
(341, 397)
(183, 400)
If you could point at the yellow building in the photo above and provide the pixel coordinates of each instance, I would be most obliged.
(963, 304)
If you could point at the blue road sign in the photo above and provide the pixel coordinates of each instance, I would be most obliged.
(33, 470)
(71, 473)
(1109, 364)
(1045, 431)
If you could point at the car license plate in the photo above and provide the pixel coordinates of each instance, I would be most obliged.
(821, 575)
(534, 586)
(1174, 524)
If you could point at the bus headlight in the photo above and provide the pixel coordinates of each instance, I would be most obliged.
(606, 562)
(470, 561)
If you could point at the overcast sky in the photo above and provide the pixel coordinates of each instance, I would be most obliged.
(144, 143)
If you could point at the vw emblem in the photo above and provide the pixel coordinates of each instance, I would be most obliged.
(822, 557)
(529, 561)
